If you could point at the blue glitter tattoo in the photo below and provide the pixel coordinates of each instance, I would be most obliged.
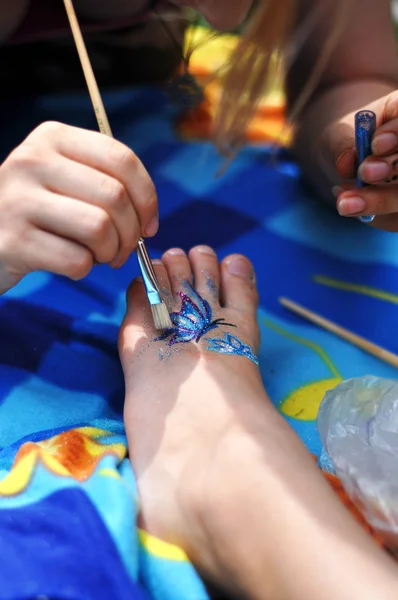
(231, 345)
(193, 320)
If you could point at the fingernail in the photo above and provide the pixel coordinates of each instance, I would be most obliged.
(176, 252)
(205, 250)
(344, 154)
(384, 143)
(376, 170)
(351, 206)
(117, 262)
(337, 190)
(240, 267)
(140, 279)
(152, 228)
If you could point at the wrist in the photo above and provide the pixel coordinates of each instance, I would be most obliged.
(229, 507)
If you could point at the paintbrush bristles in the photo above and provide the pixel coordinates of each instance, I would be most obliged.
(161, 316)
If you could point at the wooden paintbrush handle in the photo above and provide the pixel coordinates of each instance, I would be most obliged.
(91, 81)
(92, 86)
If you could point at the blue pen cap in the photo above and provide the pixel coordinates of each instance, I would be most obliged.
(365, 127)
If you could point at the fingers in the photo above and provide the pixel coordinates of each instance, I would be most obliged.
(89, 226)
(372, 200)
(341, 137)
(110, 157)
(377, 170)
(67, 178)
(385, 140)
(43, 251)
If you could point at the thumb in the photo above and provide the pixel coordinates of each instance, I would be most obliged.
(340, 140)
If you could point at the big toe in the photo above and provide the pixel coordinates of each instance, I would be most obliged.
(137, 325)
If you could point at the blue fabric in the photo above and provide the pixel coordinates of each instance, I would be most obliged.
(72, 525)
(48, 550)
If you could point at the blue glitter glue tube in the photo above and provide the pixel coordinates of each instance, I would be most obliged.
(365, 126)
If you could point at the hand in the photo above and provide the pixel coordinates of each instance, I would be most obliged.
(380, 198)
(70, 198)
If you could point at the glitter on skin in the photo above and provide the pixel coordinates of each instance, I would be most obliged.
(193, 321)
(231, 344)
(211, 286)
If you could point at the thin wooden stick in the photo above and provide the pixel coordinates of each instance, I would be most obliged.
(353, 338)
(91, 81)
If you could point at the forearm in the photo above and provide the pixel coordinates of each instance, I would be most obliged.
(333, 109)
(278, 532)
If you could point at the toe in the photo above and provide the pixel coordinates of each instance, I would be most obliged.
(178, 268)
(164, 282)
(138, 326)
(136, 298)
(238, 285)
(206, 272)
(136, 294)
(137, 319)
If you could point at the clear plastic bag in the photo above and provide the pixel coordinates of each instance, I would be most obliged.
(358, 426)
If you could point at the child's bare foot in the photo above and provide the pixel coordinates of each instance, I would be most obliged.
(184, 397)
(219, 471)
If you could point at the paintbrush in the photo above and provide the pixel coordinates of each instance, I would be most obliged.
(159, 309)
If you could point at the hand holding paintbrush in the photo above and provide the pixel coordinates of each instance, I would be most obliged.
(159, 309)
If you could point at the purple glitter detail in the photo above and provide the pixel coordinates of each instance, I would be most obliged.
(193, 320)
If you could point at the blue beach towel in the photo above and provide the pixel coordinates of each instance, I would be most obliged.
(68, 501)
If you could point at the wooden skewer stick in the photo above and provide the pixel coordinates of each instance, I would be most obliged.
(353, 338)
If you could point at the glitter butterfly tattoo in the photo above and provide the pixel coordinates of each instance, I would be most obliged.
(193, 321)
(230, 344)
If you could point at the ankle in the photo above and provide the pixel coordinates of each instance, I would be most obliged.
(265, 497)
(215, 499)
